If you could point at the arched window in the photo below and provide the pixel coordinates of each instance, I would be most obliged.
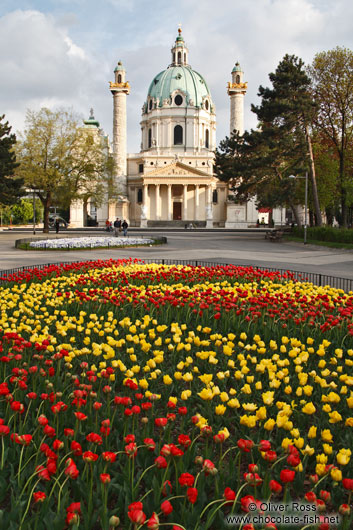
(119, 78)
(184, 58)
(206, 104)
(178, 135)
(173, 57)
(179, 57)
(149, 137)
(207, 139)
(139, 196)
(150, 104)
(215, 196)
(237, 79)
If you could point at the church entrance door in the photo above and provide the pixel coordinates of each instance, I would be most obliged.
(176, 211)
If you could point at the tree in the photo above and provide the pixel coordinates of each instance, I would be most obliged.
(332, 80)
(10, 187)
(282, 144)
(258, 164)
(58, 158)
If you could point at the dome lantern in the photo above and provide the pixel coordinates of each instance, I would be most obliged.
(179, 51)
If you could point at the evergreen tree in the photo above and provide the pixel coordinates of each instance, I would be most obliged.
(10, 187)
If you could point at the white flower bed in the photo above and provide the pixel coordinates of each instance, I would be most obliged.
(89, 242)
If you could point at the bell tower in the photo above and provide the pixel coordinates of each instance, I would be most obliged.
(120, 88)
(237, 90)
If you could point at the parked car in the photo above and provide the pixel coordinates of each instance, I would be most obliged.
(62, 223)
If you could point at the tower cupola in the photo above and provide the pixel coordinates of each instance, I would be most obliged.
(180, 53)
(119, 72)
(237, 74)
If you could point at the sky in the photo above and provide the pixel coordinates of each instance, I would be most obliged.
(62, 53)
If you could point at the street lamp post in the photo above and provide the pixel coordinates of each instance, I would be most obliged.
(34, 212)
(306, 203)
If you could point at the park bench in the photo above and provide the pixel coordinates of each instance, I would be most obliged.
(274, 235)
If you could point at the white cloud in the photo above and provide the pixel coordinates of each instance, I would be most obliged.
(67, 58)
(39, 64)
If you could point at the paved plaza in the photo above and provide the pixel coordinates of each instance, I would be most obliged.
(243, 248)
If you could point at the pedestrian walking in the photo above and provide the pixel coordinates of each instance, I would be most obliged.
(125, 226)
(57, 225)
(117, 226)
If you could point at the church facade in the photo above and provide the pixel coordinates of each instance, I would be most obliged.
(171, 181)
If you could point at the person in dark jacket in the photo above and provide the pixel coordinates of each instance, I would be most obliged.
(125, 226)
(57, 225)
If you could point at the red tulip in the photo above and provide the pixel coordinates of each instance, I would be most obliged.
(245, 445)
(76, 448)
(184, 440)
(310, 496)
(275, 487)
(49, 431)
(167, 488)
(108, 456)
(160, 462)
(153, 522)
(270, 456)
(265, 445)
(71, 469)
(42, 420)
(89, 457)
(94, 438)
(186, 479)
(39, 496)
(4, 430)
(137, 516)
(192, 495)
(151, 444)
(69, 433)
(229, 494)
(131, 450)
(166, 507)
(104, 478)
(80, 416)
(57, 445)
(344, 509)
(325, 495)
(287, 475)
(161, 422)
(348, 483)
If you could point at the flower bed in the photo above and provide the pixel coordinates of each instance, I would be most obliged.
(141, 396)
(88, 242)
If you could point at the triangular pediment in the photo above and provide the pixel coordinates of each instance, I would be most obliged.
(176, 169)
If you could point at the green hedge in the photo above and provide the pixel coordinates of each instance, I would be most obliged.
(326, 233)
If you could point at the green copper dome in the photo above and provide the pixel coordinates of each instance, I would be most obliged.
(119, 66)
(91, 122)
(237, 68)
(179, 78)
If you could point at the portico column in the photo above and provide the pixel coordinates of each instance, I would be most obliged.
(185, 202)
(144, 206)
(197, 201)
(158, 202)
(209, 212)
(169, 203)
